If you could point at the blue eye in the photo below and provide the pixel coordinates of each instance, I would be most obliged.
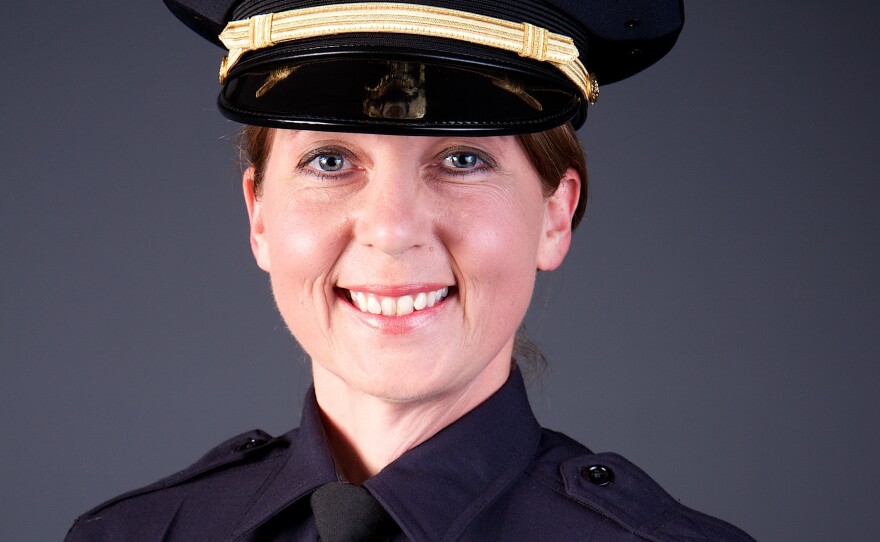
(462, 160)
(329, 162)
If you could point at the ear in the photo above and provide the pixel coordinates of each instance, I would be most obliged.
(558, 211)
(253, 202)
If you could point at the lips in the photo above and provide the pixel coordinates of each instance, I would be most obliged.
(396, 306)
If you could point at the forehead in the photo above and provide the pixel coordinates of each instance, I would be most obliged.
(292, 140)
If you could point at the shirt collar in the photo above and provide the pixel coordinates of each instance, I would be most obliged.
(308, 466)
(432, 491)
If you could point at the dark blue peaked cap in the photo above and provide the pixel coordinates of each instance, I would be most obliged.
(482, 67)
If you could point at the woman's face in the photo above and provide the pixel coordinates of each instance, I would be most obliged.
(404, 265)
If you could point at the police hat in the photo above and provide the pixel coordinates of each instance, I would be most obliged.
(429, 67)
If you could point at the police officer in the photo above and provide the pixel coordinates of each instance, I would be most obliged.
(410, 165)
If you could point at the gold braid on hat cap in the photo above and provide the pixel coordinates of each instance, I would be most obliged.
(529, 41)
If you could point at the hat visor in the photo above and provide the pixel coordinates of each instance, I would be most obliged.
(385, 84)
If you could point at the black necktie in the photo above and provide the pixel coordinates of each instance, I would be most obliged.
(348, 513)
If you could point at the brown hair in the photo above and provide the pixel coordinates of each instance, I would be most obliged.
(551, 152)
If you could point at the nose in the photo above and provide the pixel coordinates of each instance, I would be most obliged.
(396, 213)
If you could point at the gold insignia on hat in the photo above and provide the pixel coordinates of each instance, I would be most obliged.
(400, 94)
(517, 89)
(527, 40)
(275, 77)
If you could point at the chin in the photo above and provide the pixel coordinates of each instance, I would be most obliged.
(403, 380)
(406, 385)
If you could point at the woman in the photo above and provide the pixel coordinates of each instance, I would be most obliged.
(410, 168)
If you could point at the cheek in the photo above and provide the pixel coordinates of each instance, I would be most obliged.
(304, 245)
(303, 237)
(494, 248)
(503, 230)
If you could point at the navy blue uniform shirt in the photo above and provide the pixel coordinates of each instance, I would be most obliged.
(494, 474)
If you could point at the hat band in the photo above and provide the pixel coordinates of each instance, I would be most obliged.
(527, 40)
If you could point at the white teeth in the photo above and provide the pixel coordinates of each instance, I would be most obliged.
(404, 305)
(397, 306)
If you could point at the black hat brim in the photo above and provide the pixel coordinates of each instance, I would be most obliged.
(398, 84)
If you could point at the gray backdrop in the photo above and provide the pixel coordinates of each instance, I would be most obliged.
(716, 321)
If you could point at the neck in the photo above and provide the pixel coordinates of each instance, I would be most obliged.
(366, 432)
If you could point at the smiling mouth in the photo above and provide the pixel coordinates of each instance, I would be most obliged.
(396, 306)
